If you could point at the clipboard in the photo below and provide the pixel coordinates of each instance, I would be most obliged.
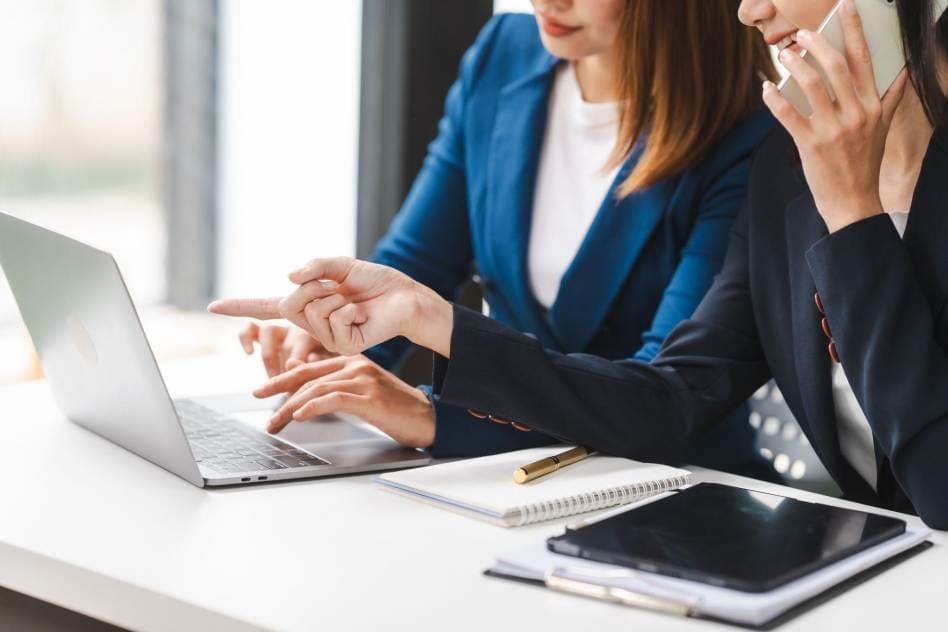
(627, 598)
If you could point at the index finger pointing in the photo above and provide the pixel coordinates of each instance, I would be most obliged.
(259, 308)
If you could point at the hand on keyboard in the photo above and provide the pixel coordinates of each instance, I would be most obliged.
(355, 385)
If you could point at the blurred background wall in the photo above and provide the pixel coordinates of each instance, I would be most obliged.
(213, 145)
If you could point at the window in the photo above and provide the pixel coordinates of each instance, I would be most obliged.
(81, 133)
(80, 117)
(289, 133)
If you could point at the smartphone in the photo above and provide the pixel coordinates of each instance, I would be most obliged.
(880, 21)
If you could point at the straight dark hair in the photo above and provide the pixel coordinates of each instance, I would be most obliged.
(924, 47)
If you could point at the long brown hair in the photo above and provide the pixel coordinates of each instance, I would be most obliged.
(687, 72)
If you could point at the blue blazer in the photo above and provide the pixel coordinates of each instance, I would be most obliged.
(646, 262)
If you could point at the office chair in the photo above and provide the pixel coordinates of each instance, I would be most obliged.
(781, 442)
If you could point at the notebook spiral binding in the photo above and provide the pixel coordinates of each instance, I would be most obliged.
(593, 501)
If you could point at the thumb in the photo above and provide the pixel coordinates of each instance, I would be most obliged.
(346, 324)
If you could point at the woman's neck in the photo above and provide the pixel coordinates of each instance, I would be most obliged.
(909, 134)
(911, 130)
(906, 146)
(596, 77)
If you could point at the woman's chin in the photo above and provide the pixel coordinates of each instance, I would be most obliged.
(562, 49)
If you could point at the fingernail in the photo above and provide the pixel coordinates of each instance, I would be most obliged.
(804, 35)
(785, 55)
(768, 85)
(847, 7)
(297, 415)
(329, 285)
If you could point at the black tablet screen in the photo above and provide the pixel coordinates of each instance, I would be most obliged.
(729, 537)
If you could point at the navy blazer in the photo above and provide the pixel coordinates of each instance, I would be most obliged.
(885, 302)
(644, 265)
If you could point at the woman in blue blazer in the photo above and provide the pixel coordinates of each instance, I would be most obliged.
(834, 284)
(648, 257)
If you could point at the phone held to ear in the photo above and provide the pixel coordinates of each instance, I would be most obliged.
(880, 21)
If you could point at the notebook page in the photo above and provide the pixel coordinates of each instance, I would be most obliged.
(486, 483)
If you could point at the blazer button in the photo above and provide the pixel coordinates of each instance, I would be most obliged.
(826, 328)
(499, 420)
(476, 413)
(819, 303)
(833, 353)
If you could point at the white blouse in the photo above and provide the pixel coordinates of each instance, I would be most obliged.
(855, 435)
(571, 183)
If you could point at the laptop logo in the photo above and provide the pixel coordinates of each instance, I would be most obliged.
(82, 340)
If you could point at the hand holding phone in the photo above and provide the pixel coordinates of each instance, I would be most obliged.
(880, 23)
(842, 141)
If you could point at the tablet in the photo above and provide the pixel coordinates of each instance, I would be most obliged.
(728, 536)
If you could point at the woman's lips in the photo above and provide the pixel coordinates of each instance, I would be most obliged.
(554, 28)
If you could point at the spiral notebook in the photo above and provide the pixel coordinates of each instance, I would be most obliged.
(483, 488)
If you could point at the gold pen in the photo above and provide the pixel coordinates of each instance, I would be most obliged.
(550, 464)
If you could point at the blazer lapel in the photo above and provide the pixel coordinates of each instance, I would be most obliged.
(928, 223)
(598, 272)
(516, 143)
(924, 239)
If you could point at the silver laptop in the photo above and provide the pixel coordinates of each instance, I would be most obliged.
(104, 377)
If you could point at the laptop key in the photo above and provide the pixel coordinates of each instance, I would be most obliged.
(290, 461)
(247, 466)
(255, 465)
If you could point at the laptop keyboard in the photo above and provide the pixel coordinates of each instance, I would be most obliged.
(225, 446)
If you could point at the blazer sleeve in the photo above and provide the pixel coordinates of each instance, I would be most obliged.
(885, 332)
(701, 258)
(709, 364)
(430, 238)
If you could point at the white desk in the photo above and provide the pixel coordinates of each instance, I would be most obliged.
(100, 531)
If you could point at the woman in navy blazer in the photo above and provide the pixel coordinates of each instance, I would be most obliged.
(836, 270)
(644, 265)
